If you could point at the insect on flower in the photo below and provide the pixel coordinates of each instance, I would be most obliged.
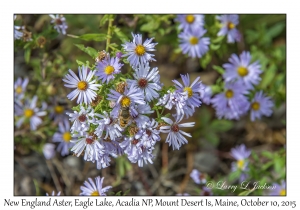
(101, 56)
(124, 116)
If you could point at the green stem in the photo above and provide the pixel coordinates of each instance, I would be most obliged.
(162, 111)
(110, 21)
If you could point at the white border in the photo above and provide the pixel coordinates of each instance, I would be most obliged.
(154, 6)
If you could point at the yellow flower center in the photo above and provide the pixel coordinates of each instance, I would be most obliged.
(255, 106)
(282, 192)
(82, 85)
(28, 112)
(125, 101)
(140, 50)
(19, 89)
(240, 164)
(67, 136)
(58, 109)
(229, 94)
(189, 91)
(230, 25)
(194, 40)
(242, 71)
(95, 193)
(109, 70)
(190, 19)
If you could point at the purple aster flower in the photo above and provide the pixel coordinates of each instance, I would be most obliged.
(188, 111)
(29, 112)
(111, 148)
(129, 145)
(89, 144)
(49, 151)
(240, 154)
(177, 99)
(85, 89)
(131, 96)
(103, 160)
(137, 51)
(58, 112)
(192, 42)
(190, 21)
(20, 87)
(193, 90)
(145, 154)
(261, 105)
(198, 177)
(279, 189)
(175, 136)
(229, 23)
(108, 124)
(139, 113)
(53, 194)
(232, 103)
(107, 68)
(138, 150)
(82, 119)
(240, 68)
(63, 136)
(205, 94)
(92, 188)
(59, 23)
(147, 81)
(149, 131)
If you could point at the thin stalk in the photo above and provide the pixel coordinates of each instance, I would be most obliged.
(110, 22)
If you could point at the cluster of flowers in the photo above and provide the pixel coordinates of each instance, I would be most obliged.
(58, 21)
(113, 115)
(240, 75)
(240, 78)
(26, 111)
(191, 38)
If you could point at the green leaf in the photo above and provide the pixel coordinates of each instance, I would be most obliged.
(267, 154)
(80, 63)
(121, 35)
(205, 60)
(278, 164)
(218, 69)
(212, 138)
(118, 193)
(150, 26)
(234, 176)
(216, 89)
(93, 37)
(268, 76)
(247, 192)
(126, 192)
(104, 19)
(221, 125)
(27, 55)
(89, 50)
(218, 39)
(215, 47)
(266, 166)
(113, 46)
(275, 30)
